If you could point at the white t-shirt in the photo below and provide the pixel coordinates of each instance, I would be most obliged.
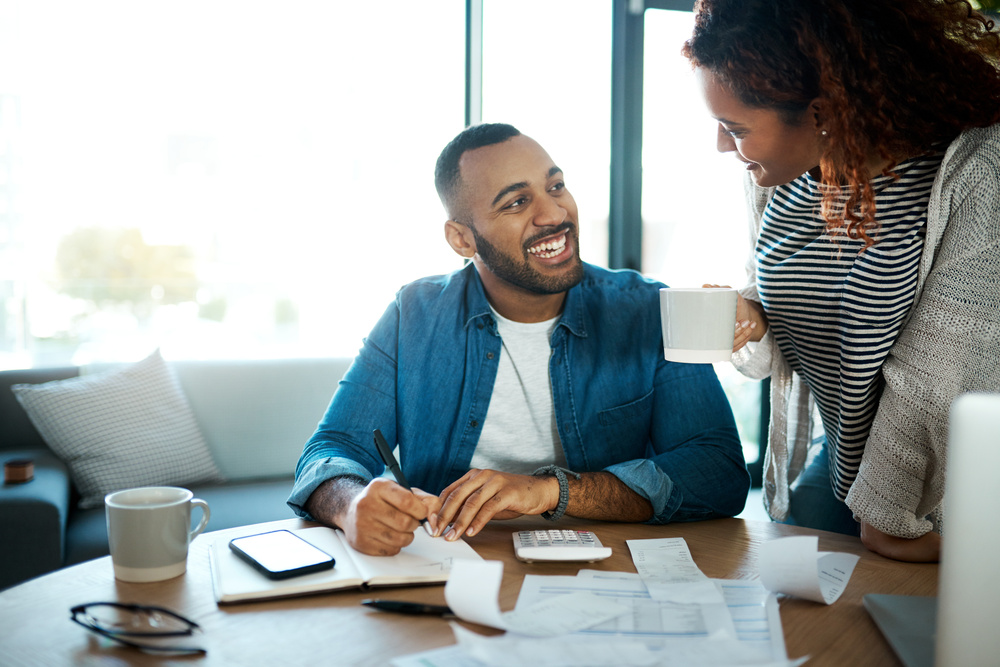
(520, 433)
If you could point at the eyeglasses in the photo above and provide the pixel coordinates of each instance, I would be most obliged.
(122, 622)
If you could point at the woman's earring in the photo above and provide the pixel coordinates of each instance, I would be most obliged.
(823, 132)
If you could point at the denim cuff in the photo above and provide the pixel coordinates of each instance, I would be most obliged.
(315, 473)
(646, 479)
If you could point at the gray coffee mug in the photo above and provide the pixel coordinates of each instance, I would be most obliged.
(149, 530)
(699, 323)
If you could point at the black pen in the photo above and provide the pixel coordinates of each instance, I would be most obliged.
(390, 462)
(401, 607)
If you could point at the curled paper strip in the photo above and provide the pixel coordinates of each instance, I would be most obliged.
(473, 591)
(794, 566)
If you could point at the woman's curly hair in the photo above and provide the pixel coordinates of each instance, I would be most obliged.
(896, 79)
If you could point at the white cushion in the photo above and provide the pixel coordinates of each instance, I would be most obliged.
(256, 415)
(121, 429)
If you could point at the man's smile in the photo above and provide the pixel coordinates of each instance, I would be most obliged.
(550, 247)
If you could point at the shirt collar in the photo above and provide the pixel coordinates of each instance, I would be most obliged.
(476, 305)
(575, 310)
(573, 315)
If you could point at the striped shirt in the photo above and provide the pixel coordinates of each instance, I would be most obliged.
(834, 309)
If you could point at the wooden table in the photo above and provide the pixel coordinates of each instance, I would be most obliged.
(333, 629)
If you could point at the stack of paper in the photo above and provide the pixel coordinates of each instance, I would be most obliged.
(668, 609)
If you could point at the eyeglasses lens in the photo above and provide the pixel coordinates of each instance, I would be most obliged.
(139, 621)
(147, 629)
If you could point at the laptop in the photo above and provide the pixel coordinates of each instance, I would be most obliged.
(960, 626)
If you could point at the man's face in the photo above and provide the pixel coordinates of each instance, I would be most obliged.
(522, 218)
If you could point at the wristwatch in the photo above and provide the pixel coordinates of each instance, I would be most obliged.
(560, 475)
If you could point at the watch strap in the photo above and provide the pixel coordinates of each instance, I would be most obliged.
(560, 475)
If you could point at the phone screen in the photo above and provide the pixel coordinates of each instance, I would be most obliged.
(281, 554)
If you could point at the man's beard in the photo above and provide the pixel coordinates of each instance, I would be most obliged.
(518, 272)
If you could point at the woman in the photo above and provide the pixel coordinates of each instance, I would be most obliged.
(869, 133)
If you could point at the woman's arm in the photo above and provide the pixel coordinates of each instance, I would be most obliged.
(750, 318)
(924, 549)
(947, 348)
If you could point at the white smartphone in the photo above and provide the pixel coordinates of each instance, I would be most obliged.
(559, 545)
(281, 554)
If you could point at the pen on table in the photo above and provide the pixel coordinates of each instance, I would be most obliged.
(390, 462)
(401, 607)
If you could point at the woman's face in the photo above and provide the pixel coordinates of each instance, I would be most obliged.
(774, 152)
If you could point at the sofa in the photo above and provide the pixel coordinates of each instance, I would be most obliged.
(254, 417)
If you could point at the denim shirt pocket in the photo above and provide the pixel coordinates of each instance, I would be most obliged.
(641, 407)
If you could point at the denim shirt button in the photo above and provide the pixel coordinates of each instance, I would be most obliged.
(474, 423)
(489, 355)
(480, 326)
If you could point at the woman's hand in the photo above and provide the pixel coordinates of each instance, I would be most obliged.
(924, 549)
(751, 322)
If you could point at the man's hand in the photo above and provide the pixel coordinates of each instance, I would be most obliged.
(469, 503)
(924, 549)
(381, 519)
(378, 519)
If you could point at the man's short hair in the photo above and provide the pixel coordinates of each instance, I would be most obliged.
(446, 172)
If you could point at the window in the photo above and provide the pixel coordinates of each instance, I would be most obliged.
(699, 236)
(243, 180)
(222, 179)
(547, 71)
(694, 218)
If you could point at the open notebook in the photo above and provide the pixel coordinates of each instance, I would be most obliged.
(426, 560)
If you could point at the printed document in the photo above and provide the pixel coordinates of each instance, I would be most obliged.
(795, 566)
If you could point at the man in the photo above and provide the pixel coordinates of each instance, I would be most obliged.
(527, 382)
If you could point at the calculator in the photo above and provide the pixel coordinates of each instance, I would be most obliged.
(559, 545)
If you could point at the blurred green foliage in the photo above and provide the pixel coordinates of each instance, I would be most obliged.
(117, 266)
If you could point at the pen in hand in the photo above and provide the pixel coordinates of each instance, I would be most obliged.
(390, 462)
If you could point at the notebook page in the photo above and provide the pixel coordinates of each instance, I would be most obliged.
(426, 560)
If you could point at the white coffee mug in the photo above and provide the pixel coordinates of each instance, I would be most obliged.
(149, 529)
(698, 323)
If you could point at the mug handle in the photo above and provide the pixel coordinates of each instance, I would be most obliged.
(205, 515)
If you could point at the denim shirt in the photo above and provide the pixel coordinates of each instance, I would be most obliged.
(425, 375)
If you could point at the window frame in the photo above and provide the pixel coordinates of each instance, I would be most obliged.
(625, 215)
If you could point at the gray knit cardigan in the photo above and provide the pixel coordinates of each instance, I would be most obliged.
(949, 345)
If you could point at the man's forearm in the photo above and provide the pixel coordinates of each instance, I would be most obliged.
(602, 496)
(329, 502)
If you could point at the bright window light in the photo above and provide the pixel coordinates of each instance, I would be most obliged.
(547, 71)
(694, 214)
(218, 179)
